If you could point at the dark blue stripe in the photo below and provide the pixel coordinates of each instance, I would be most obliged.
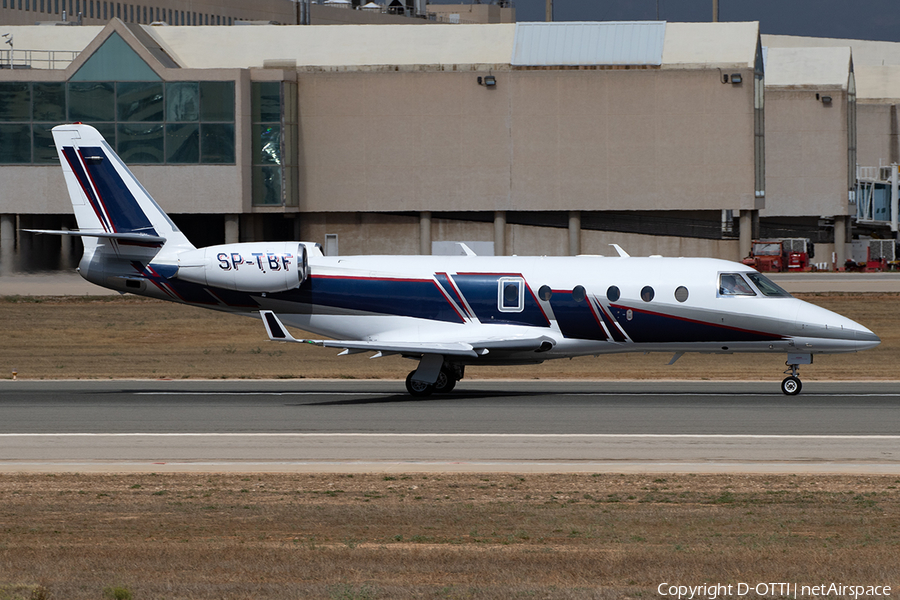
(575, 319)
(399, 297)
(84, 182)
(650, 327)
(123, 209)
(481, 292)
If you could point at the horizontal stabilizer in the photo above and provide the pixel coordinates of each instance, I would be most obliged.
(129, 237)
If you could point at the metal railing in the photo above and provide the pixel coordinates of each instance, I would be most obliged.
(36, 59)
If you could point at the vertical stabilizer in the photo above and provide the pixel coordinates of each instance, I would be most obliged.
(108, 199)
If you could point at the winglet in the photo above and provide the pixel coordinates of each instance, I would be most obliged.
(621, 252)
(276, 331)
(465, 248)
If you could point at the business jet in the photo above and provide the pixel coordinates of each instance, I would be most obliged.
(446, 312)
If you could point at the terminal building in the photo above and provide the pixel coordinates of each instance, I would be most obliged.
(685, 139)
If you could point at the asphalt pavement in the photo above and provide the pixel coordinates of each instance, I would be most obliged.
(360, 426)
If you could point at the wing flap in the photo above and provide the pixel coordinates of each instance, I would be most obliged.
(279, 333)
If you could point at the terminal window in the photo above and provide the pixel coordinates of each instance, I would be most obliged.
(151, 122)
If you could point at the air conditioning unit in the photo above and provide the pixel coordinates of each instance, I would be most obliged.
(884, 173)
(882, 249)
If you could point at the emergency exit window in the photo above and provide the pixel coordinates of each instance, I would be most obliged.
(511, 294)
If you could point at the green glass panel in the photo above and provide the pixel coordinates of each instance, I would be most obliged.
(217, 143)
(15, 143)
(267, 139)
(267, 186)
(182, 101)
(217, 101)
(266, 101)
(183, 143)
(91, 102)
(139, 101)
(115, 60)
(44, 148)
(15, 101)
(107, 130)
(49, 102)
(141, 143)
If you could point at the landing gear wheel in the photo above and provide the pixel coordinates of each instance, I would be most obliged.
(418, 388)
(445, 382)
(791, 386)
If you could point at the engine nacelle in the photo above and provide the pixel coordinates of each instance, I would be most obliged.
(247, 267)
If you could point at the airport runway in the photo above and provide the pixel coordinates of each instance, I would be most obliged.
(303, 425)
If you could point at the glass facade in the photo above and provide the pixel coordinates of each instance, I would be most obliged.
(274, 138)
(148, 122)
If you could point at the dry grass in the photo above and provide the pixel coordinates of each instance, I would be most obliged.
(111, 337)
(438, 536)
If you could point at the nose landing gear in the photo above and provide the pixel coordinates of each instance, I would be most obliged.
(792, 385)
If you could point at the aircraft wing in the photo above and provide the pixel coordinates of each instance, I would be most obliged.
(473, 348)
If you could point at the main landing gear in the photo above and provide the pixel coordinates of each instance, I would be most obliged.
(446, 381)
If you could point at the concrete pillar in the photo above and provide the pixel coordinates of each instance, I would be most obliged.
(499, 233)
(840, 240)
(232, 229)
(574, 232)
(425, 232)
(746, 229)
(65, 249)
(7, 243)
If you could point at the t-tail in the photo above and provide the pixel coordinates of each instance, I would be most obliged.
(131, 244)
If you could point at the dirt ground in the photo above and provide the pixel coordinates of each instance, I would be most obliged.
(132, 337)
(438, 536)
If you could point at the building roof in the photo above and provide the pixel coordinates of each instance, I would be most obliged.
(878, 85)
(865, 53)
(609, 43)
(699, 45)
(808, 67)
(668, 45)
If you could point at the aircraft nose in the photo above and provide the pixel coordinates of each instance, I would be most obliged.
(865, 339)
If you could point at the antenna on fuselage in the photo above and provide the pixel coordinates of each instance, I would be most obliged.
(621, 252)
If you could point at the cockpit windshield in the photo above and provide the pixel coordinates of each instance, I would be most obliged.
(732, 284)
(767, 286)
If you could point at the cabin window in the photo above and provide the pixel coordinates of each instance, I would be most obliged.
(732, 284)
(613, 294)
(681, 293)
(647, 293)
(579, 293)
(511, 294)
(545, 293)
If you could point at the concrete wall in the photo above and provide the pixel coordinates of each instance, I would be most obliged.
(281, 11)
(372, 233)
(539, 140)
(806, 153)
(473, 13)
(878, 143)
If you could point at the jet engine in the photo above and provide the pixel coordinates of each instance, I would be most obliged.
(247, 267)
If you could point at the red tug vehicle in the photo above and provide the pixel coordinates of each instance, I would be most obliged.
(782, 254)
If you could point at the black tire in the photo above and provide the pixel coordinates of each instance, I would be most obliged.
(791, 386)
(417, 388)
(445, 383)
